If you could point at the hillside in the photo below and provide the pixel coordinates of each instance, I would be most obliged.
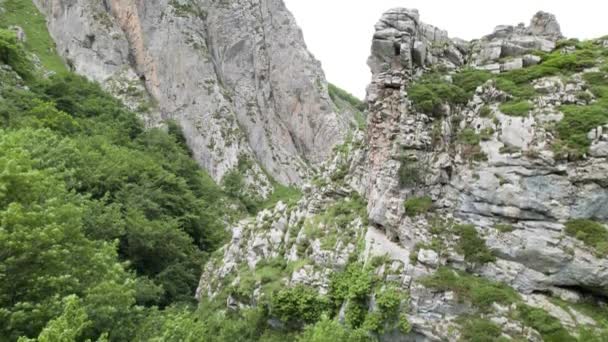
(465, 200)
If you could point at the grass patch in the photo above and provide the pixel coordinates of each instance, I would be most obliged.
(336, 93)
(472, 245)
(516, 108)
(432, 92)
(482, 293)
(504, 228)
(287, 194)
(591, 233)
(418, 206)
(480, 330)
(25, 14)
(548, 326)
(469, 79)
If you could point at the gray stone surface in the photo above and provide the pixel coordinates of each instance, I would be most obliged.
(236, 75)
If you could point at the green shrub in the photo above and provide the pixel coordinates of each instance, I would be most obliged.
(485, 111)
(519, 92)
(548, 326)
(577, 122)
(480, 292)
(431, 92)
(13, 54)
(39, 41)
(355, 283)
(468, 136)
(418, 205)
(469, 79)
(521, 108)
(472, 246)
(388, 301)
(298, 305)
(591, 233)
(480, 330)
(325, 330)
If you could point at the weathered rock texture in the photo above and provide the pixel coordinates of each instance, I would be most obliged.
(510, 186)
(236, 75)
(518, 181)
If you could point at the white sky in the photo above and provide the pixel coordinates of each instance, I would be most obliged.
(339, 32)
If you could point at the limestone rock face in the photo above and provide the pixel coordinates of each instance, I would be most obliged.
(236, 75)
(517, 182)
(509, 186)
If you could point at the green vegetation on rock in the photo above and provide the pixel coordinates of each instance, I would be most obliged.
(431, 92)
(591, 233)
(101, 220)
(418, 205)
(480, 292)
(24, 14)
(521, 108)
(472, 246)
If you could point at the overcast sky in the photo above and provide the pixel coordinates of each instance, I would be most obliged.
(339, 32)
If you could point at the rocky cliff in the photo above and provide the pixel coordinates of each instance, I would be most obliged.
(476, 200)
(235, 75)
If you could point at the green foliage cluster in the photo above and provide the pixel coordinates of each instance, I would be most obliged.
(298, 305)
(472, 246)
(591, 233)
(418, 205)
(470, 141)
(469, 79)
(234, 185)
(354, 287)
(514, 108)
(483, 293)
(517, 82)
(548, 326)
(328, 330)
(579, 120)
(26, 15)
(334, 222)
(468, 136)
(480, 330)
(480, 292)
(12, 55)
(94, 206)
(432, 92)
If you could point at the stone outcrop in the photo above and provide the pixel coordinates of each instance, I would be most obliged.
(517, 182)
(235, 75)
(510, 186)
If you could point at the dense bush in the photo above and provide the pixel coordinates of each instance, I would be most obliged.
(298, 305)
(470, 79)
(13, 55)
(95, 206)
(472, 246)
(432, 92)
